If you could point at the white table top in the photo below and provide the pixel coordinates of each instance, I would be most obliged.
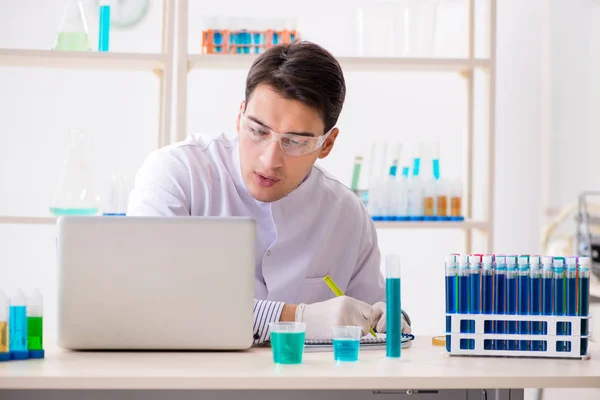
(424, 366)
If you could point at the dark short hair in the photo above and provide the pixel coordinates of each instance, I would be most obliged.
(305, 72)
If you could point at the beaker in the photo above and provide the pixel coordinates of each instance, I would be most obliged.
(72, 32)
(75, 193)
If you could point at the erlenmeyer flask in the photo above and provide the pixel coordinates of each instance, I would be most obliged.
(73, 32)
(75, 193)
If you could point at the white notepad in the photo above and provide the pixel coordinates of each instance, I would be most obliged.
(367, 342)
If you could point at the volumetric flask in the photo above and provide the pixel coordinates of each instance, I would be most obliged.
(75, 192)
(73, 32)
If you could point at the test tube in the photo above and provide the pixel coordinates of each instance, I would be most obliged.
(442, 193)
(405, 171)
(356, 172)
(429, 200)
(559, 298)
(474, 291)
(547, 292)
(435, 156)
(511, 298)
(4, 337)
(500, 300)
(571, 295)
(523, 299)
(18, 327)
(35, 325)
(456, 200)
(535, 298)
(393, 306)
(583, 296)
(487, 293)
(463, 298)
(450, 297)
(104, 26)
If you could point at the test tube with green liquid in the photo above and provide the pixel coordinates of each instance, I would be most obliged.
(35, 325)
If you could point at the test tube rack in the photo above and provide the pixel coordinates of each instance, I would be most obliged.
(551, 338)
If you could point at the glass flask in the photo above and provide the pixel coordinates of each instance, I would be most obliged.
(75, 192)
(72, 33)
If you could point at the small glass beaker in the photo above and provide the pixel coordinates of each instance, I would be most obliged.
(75, 192)
(346, 342)
(72, 34)
(287, 342)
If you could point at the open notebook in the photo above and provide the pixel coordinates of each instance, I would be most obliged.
(366, 343)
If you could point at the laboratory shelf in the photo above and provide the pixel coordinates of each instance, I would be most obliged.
(468, 224)
(242, 61)
(82, 60)
(10, 220)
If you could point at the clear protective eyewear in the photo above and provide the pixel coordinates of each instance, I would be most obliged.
(290, 143)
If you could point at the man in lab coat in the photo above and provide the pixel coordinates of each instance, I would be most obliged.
(308, 224)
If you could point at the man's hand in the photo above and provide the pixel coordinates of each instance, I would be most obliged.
(381, 328)
(342, 310)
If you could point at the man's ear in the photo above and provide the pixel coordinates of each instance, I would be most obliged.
(328, 146)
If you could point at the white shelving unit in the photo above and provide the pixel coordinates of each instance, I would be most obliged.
(464, 66)
(161, 64)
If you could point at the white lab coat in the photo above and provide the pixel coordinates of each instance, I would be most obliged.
(321, 228)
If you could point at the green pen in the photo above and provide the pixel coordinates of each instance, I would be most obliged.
(338, 292)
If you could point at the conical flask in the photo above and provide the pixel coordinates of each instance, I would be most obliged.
(73, 32)
(75, 192)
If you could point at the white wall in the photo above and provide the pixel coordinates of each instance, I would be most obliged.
(38, 106)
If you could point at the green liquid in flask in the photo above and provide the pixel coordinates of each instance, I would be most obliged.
(72, 41)
(73, 211)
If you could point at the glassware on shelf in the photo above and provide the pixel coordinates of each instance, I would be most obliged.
(75, 191)
(234, 35)
(72, 34)
(396, 28)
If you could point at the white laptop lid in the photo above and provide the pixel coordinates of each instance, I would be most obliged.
(155, 282)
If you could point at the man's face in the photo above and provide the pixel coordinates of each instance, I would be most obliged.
(269, 173)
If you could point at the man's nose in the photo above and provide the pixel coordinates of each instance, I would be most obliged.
(272, 156)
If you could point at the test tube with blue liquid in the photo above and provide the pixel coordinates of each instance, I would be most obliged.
(559, 298)
(4, 336)
(571, 295)
(547, 293)
(583, 299)
(463, 297)
(523, 299)
(18, 327)
(393, 306)
(500, 300)
(535, 298)
(487, 294)
(104, 26)
(450, 297)
(511, 298)
(474, 292)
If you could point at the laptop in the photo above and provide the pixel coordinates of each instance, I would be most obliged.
(155, 283)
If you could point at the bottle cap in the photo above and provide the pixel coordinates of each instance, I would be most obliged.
(487, 260)
(500, 260)
(546, 260)
(450, 261)
(523, 261)
(558, 262)
(462, 261)
(534, 260)
(511, 260)
(584, 262)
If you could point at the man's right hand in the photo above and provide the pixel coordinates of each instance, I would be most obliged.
(343, 310)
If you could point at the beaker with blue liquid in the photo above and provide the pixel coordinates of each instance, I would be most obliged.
(75, 192)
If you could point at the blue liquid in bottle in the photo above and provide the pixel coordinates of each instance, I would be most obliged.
(511, 306)
(17, 326)
(450, 302)
(500, 301)
(394, 318)
(536, 309)
(559, 301)
(488, 299)
(104, 28)
(584, 307)
(474, 293)
(524, 327)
